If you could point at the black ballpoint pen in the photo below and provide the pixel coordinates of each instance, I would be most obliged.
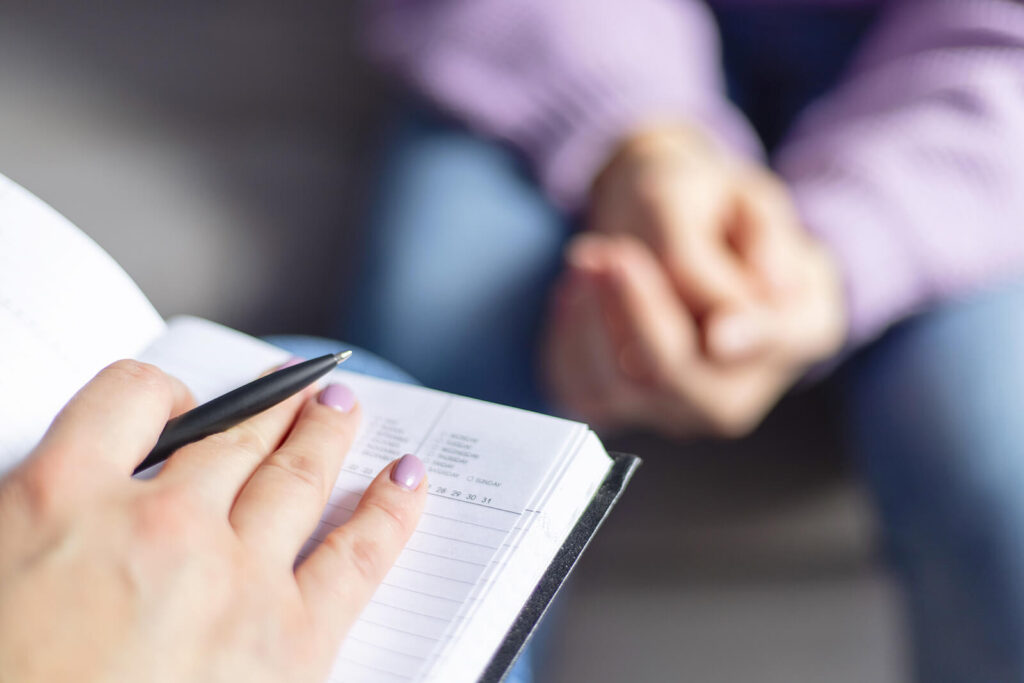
(238, 405)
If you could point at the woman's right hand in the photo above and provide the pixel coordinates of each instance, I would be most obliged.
(189, 576)
(720, 226)
(696, 298)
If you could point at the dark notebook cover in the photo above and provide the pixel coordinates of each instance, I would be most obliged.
(623, 467)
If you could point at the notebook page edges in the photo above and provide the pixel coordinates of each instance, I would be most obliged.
(485, 464)
(546, 529)
(511, 543)
(66, 310)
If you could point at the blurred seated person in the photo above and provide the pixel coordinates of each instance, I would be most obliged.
(589, 204)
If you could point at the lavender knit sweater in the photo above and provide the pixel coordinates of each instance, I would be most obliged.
(911, 169)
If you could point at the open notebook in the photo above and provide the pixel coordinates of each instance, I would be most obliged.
(507, 487)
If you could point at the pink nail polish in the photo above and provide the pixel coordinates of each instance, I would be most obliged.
(408, 472)
(339, 397)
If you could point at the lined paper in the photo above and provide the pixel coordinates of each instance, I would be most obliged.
(506, 588)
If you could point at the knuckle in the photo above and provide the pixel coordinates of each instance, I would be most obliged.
(303, 467)
(144, 374)
(395, 517)
(363, 554)
(368, 559)
(38, 485)
(242, 437)
(43, 483)
(166, 513)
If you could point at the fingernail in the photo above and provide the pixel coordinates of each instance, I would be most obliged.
(339, 397)
(294, 360)
(735, 336)
(408, 472)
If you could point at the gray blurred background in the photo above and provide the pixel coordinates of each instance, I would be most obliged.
(222, 153)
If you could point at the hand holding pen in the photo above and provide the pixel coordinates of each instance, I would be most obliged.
(239, 404)
(189, 573)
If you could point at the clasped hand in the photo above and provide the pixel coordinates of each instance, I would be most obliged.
(695, 298)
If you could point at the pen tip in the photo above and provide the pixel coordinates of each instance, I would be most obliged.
(342, 356)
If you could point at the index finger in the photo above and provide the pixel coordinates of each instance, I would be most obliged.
(691, 222)
(115, 419)
(767, 236)
(651, 326)
(705, 272)
(340, 576)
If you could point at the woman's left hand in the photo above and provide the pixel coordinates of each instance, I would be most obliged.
(625, 351)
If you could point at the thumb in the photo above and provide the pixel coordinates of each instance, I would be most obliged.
(767, 238)
(735, 335)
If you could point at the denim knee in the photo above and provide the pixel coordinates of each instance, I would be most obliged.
(934, 413)
(463, 247)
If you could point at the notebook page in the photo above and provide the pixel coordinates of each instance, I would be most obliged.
(481, 541)
(512, 583)
(66, 310)
(511, 543)
(485, 462)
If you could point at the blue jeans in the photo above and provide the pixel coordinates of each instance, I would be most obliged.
(461, 252)
(367, 363)
(464, 248)
(934, 413)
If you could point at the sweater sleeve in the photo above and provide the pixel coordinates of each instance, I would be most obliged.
(912, 171)
(562, 80)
